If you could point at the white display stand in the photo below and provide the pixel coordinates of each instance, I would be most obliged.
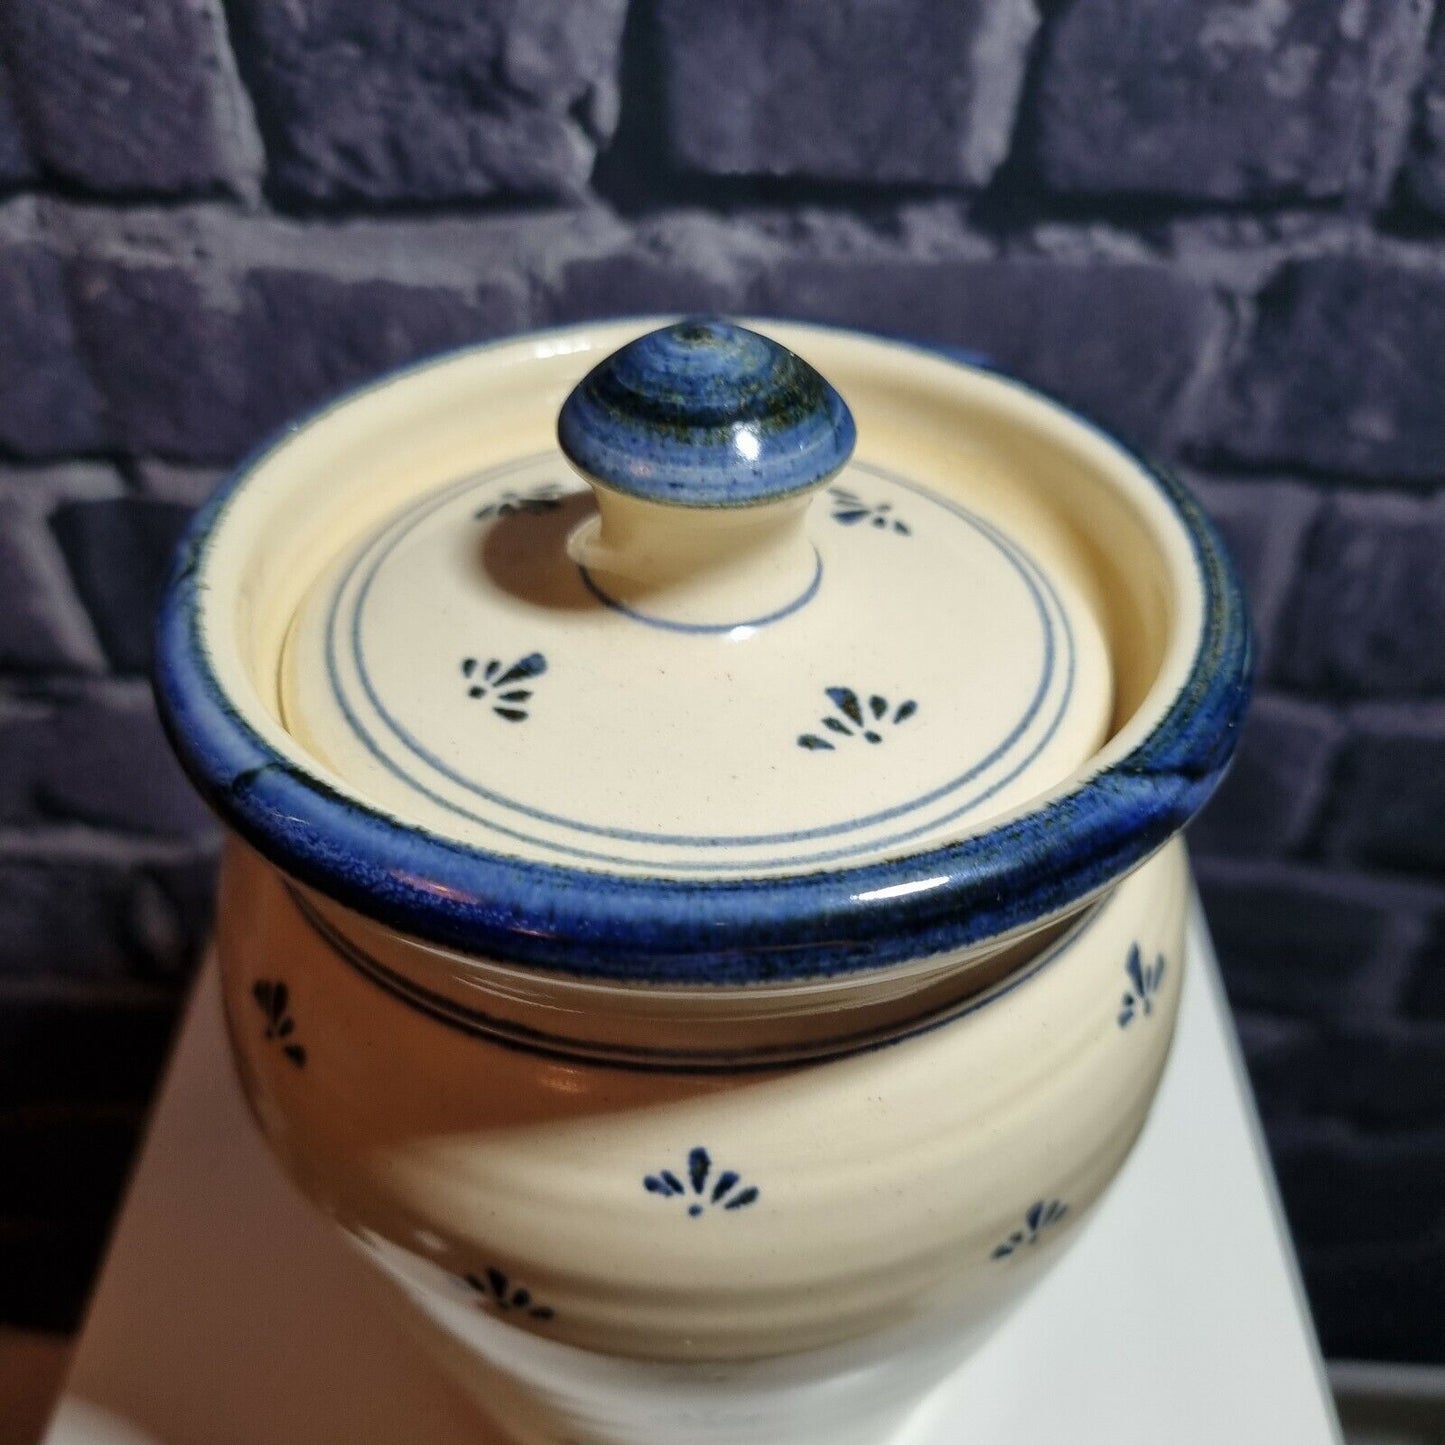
(229, 1313)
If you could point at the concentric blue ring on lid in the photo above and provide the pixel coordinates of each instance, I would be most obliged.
(706, 414)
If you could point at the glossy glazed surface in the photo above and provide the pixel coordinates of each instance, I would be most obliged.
(818, 1100)
(457, 669)
(1167, 603)
(705, 413)
(666, 1214)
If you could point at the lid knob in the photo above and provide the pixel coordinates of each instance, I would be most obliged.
(704, 413)
(702, 442)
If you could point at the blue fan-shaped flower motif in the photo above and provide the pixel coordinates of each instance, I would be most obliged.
(856, 716)
(850, 510)
(1040, 1216)
(273, 998)
(491, 681)
(543, 498)
(703, 1190)
(495, 1291)
(1145, 981)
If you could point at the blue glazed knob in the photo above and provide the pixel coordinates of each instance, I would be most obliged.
(706, 414)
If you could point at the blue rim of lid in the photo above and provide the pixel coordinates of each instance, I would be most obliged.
(1026, 870)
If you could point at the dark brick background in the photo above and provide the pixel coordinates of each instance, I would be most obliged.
(1217, 225)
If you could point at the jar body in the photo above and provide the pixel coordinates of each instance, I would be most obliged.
(600, 1246)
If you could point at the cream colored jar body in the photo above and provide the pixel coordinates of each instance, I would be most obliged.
(840, 1228)
(741, 936)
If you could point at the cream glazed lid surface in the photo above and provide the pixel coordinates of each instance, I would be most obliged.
(700, 651)
(735, 648)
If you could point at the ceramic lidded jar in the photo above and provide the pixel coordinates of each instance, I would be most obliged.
(704, 908)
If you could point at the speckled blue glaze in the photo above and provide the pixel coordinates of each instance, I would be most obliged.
(849, 920)
(706, 414)
(642, 1058)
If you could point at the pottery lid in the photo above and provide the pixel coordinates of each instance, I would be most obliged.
(638, 653)
(731, 650)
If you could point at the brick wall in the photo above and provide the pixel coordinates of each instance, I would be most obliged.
(1218, 226)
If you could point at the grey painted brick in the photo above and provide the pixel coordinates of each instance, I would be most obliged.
(1274, 791)
(133, 97)
(93, 755)
(1389, 802)
(102, 918)
(15, 163)
(1277, 1052)
(1380, 1302)
(756, 88)
(119, 551)
(37, 634)
(1427, 162)
(1117, 339)
(1424, 993)
(1365, 617)
(1382, 1076)
(48, 405)
(388, 100)
(1340, 373)
(1369, 1219)
(1346, 1190)
(687, 263)
(1264, 525)
(1305, 941)
(1229, 100)
(199, 375)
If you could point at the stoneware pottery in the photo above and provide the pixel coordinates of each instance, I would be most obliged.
(703, 908)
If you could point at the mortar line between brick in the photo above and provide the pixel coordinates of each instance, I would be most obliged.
(250, 144)
(62, 844)
(72, 992)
